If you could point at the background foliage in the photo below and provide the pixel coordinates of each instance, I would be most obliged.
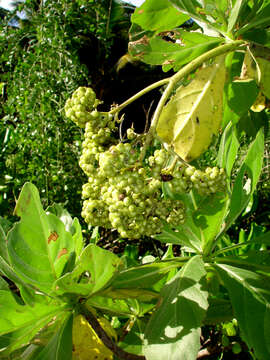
(44, 57)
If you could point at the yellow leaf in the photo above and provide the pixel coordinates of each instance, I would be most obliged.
(193, 115)
(86, 344)
(259, 104)
(258, 70)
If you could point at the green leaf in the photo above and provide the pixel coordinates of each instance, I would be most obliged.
(183, 236)
(3, 284)
(191, 7)
(264, 83)
(3, 245)
(247, 178)
(174, 327)
(133, 341)
(71, 225)
(228, 149)
(260, 20)
(209, 217)
(94, 270)
(219, 310)
(193, 115)
(118, 307)
(11, 275)
(244, 263)
(77, 236)
(208, 14)
(258, 36)
(60, 345)
(188, 234)
(131, 293)
(233, 63)
(158, 16)
(5, 224)
(250, 296)
(174, 55)
(19, 323)
(143, 276)
(241, 95)
(38, 245)
(234, 13)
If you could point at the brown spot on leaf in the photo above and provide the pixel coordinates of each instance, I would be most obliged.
(168, 62)
(53, 237)
(141, 11)
(62, 252)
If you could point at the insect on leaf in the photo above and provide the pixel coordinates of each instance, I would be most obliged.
(194, 113)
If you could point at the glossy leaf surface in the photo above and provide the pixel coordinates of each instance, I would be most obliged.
(175, 325)
(38, 245)
(19, 323)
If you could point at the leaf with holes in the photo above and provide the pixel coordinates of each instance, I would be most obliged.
(38, 245)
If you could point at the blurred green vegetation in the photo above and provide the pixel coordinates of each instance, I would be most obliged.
(45, 55)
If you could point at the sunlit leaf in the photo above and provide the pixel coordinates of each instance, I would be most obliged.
(228, 149)
(234, 13)
(19, 323)
(94, 270)
(209, 217)
(38, 245)
(158, 16)
(175, 325)
(194, 113)
(188, 234)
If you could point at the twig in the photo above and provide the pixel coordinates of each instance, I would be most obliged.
(107, 341)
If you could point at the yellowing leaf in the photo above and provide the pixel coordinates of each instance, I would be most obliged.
(259, 104)
(259, 70)
(86, 344)
(193, 115)
(265, 76)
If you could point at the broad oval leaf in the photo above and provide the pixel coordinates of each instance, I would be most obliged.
(174, 327)
(95, 266)
(38, 245)
(158, 16)
(20, 323)
(157, 51)
(194, 113)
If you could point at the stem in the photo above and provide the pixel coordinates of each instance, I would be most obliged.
(156, 116)
(139, 94)
(107, 341)
(171, 167)
(193, 65)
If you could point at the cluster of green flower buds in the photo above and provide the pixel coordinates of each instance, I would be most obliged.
(123, 192)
